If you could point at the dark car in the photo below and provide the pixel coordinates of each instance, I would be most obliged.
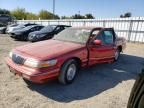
(136, 99)
(46, 33)
(22, 34)
(15, 27)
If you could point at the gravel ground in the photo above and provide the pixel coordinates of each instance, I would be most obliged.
(101, 86)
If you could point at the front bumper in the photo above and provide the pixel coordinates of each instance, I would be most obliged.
(32, 74)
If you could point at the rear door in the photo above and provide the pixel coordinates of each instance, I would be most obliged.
(105, 51)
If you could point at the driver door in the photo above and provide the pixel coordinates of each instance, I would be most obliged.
(104, 51)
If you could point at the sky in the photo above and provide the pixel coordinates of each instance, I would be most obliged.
(99, 8)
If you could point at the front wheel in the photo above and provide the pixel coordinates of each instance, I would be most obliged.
(68, 72)
(117, 54)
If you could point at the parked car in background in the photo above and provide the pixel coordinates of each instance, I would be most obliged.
(62, 56)
(136, 99)
(22, 34)
(46, 33)
(14, 27)
(2, 30)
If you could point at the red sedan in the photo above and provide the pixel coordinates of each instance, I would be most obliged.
(62, 56)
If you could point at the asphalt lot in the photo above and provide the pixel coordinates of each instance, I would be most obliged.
(101, 86)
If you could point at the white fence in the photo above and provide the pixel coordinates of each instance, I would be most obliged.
(130, 28)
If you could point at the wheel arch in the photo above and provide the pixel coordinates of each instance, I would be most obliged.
(78, 60)
(120, 48)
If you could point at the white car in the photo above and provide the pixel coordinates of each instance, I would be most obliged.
(14, 27)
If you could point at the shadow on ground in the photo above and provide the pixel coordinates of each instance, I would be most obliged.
(93, 81)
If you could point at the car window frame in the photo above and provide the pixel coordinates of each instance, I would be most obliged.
(102, 33)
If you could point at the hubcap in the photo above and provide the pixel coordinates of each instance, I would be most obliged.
(71, 72)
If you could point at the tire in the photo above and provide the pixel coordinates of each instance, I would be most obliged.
(117, 54)
(68, 72)
(23, 38)
(141, 103)
(27, 82)
(136, 99)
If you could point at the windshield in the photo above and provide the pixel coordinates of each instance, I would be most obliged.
(13, 25)
(21, 25)
(78, 35)
(48, 28)
(27, 28)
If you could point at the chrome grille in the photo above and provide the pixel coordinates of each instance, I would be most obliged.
(17, 59)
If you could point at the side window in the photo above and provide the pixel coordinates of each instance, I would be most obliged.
(38, 28)
(100, 37)
(59, 29)
(65, 27)
(108, 37)
(32, 29)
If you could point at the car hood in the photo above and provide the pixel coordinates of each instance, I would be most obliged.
(16, 27)
(1, 28)
(48, 49)
(19, 31)
(11, 29)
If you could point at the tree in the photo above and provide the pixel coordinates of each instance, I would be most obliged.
(31, 16)
(44, 14)
(89, 16)
(19, 13)
(77, 16)
(65, 17)
(56, 17)
(4, 12)
(121, 16)
(126, 15)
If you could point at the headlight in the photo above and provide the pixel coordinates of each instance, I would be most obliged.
(10, 54)
(39, 64)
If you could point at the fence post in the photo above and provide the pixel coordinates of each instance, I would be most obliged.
(130, 30)
(70, 23)
(58, 22)
(137, 29)
(41, 22)
(84, 23)
(104, 23)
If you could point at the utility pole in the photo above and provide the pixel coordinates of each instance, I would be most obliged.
(53, 9)
(79, 13)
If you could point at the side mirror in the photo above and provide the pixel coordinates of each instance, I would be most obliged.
(97, 42)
